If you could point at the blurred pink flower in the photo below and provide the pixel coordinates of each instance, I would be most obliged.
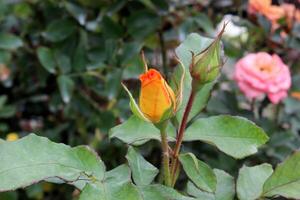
(291, 13)
(4, 72)
(261, 73)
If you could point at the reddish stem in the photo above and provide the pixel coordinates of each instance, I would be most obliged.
(175, 162)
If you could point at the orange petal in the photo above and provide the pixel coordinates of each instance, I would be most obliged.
(156, 96)
(296, 95)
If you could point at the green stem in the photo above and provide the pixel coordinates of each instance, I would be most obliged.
(175, 161)
(165, 154)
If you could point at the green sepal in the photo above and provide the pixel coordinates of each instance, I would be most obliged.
(179, 91)
(134, 107)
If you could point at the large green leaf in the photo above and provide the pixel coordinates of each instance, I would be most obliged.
(9, 41)
(225, 189)
(235, 136)
(59, 30)
(46, 58)
(198, 172)
(143, 172)
(251, 180)
(285, 181)
(33, 159)
(136, 131)
(161, 192)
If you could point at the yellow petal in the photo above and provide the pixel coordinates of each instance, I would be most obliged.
(156, 96)
(12, 137)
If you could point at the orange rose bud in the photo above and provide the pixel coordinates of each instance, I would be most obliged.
(156, 96)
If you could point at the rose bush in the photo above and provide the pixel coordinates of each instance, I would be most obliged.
(62, 67)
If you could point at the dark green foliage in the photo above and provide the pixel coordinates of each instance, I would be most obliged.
(67, 59)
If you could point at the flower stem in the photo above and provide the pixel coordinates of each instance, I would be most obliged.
(165, 154)
(175, 162)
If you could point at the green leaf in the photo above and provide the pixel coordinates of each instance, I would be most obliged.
(3, 100)
(225, 186)
(112, 85)
(46, 58)
(33, 159)
(201, 99)
(23, 10)
(161, 192)
(285, 181)
(251, 180)
(66, 87)
(225, 189)
(93, 192)
(77, 12)
(149, 4)
(118, 175)
(130, 50)
(193, 190)
(136, 24)
(143, 172)
(103, 191)
(5, 56)
(235, 136)
(205, 23)
(9, 195)
(10, 41)
(116, 185)
(8, 111)
(63, 62)
(116, 178)
(198, 172)
(136, 131)
(111, 29)
(59, 30)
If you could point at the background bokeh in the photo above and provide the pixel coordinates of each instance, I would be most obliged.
(62, 62)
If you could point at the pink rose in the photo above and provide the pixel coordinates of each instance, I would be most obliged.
(261, 73)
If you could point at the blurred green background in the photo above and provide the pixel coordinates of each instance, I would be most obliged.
(62, 62)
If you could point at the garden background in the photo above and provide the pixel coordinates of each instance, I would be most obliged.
(62, 62)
